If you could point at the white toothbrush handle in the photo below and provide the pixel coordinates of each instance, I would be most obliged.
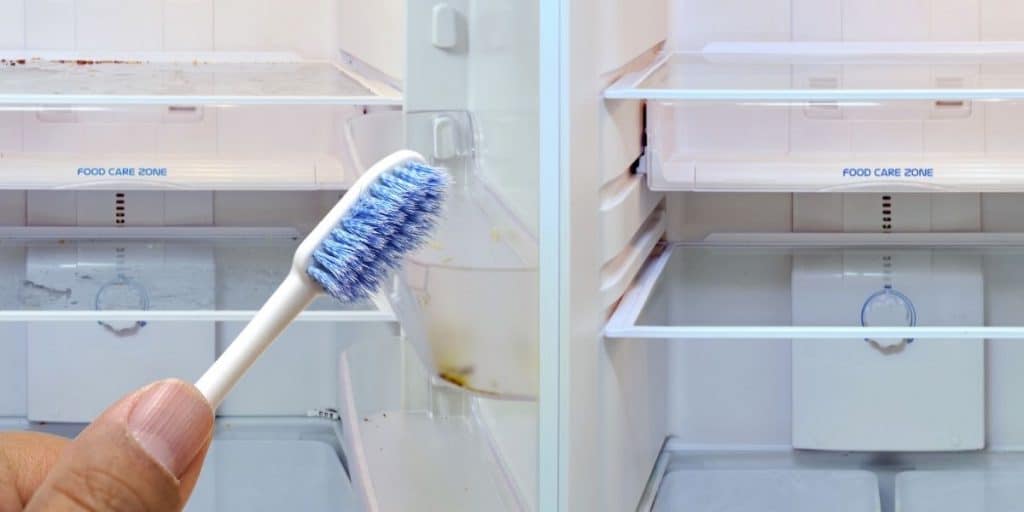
(290, 299)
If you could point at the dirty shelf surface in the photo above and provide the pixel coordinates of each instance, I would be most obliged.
(204, 80)
(153, 278)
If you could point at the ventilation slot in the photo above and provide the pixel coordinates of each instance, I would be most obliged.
(119, 208)
(887, 214)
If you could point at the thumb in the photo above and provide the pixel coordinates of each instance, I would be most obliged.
(143, 453)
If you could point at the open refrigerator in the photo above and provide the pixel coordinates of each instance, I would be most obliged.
(701, 254)
(160, 160)
(795, 231)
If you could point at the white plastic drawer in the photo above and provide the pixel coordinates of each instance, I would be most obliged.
(174, 147)
(999, 490)
(768, 491)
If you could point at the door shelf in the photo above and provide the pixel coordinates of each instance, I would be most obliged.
(888, 289)
(215, 78)
(830, 71)
(780, 479)
(417, 442)
(126, 275)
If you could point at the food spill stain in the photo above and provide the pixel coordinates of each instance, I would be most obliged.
(459, 378)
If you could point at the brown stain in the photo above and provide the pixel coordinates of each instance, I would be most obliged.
(76, 62)
(459, 378)
(91, 62)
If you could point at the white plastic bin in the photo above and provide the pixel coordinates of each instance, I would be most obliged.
(959, 491)
(768, 491)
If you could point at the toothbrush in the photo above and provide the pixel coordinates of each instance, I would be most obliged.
(386, 214)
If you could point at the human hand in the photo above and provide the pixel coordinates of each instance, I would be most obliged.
(142, 453)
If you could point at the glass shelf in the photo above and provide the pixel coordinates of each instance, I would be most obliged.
(882, 288)
(188, 79)
(178, 147)
(823, 71)
(834, 117)
(141, 274)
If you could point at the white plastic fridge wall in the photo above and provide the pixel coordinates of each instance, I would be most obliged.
(308, 351)
(372, 32)
(306, 27)
(755, 377)
(611, 393)
(695, 23)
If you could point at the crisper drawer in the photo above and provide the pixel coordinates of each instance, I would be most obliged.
(781, 480)
(816, 117)
(957, 489)
(218, 121)
(768, 491)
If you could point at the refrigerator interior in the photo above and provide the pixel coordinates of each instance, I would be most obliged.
(808, 224)
(159, 162)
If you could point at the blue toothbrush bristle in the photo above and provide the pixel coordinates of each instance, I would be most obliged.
(391, 218)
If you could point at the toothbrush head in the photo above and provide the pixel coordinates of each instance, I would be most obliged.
(397, 206)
